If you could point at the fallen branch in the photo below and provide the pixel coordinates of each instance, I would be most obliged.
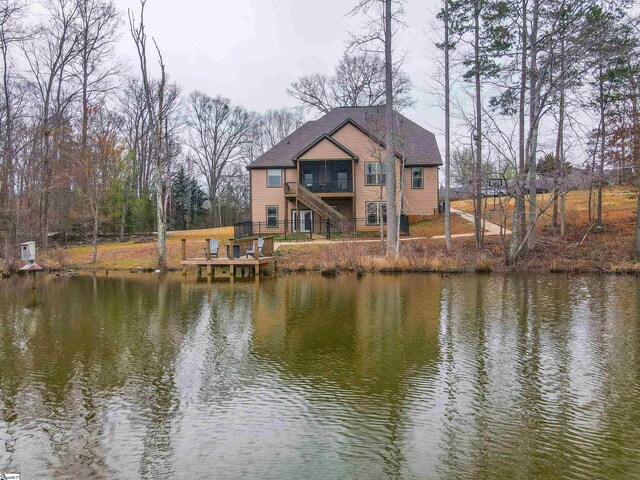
(585, 235)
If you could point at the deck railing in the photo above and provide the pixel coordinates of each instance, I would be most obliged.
(347, 226)
(333, 186)
(291, 188)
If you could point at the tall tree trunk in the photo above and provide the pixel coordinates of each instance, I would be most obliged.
(123, 217)
(534, 116)
(390, 162)
(560, 184)
(559, 161)
(6, 189)
(161, 184)
(47, 134)
(447, 133)
(94, 255)
(518, 230)
(477, 176)
(603, 141)
(46, 185)
(157, 152)
(400, 205)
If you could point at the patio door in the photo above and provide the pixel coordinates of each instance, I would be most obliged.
(304, 223)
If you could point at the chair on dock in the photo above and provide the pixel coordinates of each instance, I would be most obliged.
(251, 250)
(213, 248)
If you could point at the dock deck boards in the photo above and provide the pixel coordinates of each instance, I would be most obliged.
(231, 265)
(222, 262)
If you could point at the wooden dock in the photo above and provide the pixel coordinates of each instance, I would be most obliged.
(232, 259)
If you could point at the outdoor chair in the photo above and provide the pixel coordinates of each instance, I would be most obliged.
(251, 250)
(213, 248)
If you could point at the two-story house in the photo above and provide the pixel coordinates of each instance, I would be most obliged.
(333, 169)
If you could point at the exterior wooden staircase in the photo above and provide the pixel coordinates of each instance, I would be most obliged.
(311, 200)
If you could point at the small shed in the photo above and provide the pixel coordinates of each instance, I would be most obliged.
(28, 251)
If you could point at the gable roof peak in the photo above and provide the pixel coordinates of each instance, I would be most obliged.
(420, 145)
(321, 139)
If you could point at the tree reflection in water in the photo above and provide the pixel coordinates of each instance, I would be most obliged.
(476, 376)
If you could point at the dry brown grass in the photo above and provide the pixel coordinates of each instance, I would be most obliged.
(433, 227)
(131, 254)
(127, 255)
(581, 251)
(618, 204)
(608, 251)
(416, 256)
(600, 253)
(625, 268)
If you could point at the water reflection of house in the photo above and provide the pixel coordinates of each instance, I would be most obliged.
(351, 350)
(370, 332)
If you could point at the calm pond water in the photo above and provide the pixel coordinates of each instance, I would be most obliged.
(413, 376)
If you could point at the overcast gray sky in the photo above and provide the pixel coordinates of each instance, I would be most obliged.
(251, 50)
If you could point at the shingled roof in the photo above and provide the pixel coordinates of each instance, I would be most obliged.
(418, 145)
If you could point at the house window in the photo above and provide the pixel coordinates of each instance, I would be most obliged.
(375, 173)
(272, 216)
(376, 213)
(417, 177)
(274, 178)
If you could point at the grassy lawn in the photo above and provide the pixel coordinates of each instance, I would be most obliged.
(431, 227)
(609, 250)
(116, 255)
(434, 227)
(132, 254)
(618, 205)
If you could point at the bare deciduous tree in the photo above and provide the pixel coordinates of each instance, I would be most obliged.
(97, 167)
(272, 127)
(159, 104)
(217, 131)
(50, 55)
(98, 21)
(358, 81)
(384, 16)
(12, 34)
(446, 47)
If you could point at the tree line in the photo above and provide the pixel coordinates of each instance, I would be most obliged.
(531, 87)
(90, 146)
(548, 84)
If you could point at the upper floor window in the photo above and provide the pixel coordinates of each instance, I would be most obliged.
(375, 173)
(417, 177)
(274, 178)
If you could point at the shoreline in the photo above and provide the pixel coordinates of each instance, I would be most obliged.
(381, 265)
(582, 250)
(602, 254)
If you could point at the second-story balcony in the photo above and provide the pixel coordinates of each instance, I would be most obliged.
(327, 177)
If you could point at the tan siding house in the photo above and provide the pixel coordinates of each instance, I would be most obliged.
(331, 170)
